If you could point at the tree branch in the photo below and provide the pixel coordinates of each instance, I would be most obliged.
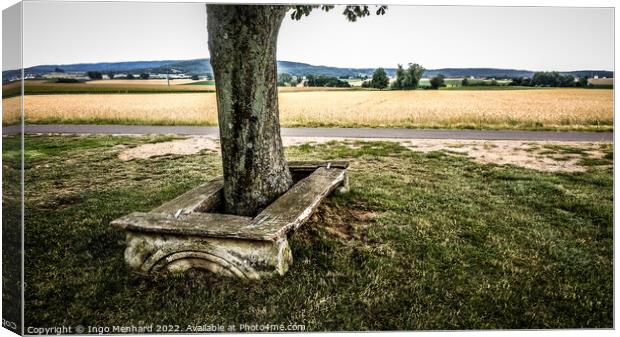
(352, 12)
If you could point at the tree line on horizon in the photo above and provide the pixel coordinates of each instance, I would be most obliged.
(405, 79)
(550, 79)
(97, 75)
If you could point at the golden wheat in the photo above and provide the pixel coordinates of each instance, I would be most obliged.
(554, 107)
(559, 108)
(11, 109)
(158, 108)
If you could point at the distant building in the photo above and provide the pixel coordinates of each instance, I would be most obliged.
(172, 76)
(596, 81)
(160, 76)
(75, 75)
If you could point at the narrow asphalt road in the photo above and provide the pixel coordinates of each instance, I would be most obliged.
(326, 132)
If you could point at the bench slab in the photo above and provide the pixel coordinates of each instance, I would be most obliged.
(182, 234)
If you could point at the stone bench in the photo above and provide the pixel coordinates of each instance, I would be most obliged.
(188, 233)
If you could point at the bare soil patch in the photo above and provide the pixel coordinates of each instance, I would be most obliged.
(541, 156)
(186, 146)
(538, 155)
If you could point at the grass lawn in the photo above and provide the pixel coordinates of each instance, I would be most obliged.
(422, 241)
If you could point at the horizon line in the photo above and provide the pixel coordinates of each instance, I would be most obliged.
(310, 64)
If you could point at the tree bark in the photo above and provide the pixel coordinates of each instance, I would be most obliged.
(242, 44)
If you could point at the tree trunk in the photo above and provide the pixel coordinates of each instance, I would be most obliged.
(242, 44)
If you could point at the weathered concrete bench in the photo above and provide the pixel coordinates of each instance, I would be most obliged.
(187, 233)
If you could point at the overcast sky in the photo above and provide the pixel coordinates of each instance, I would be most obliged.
(533, 38)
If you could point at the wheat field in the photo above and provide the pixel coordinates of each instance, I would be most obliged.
(553, 108)
(512, 109)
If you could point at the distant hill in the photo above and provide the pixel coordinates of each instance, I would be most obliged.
(202, 66)
(301, 69)
(590, 73)
(478, 72)
(500, 73)
(102, 67)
